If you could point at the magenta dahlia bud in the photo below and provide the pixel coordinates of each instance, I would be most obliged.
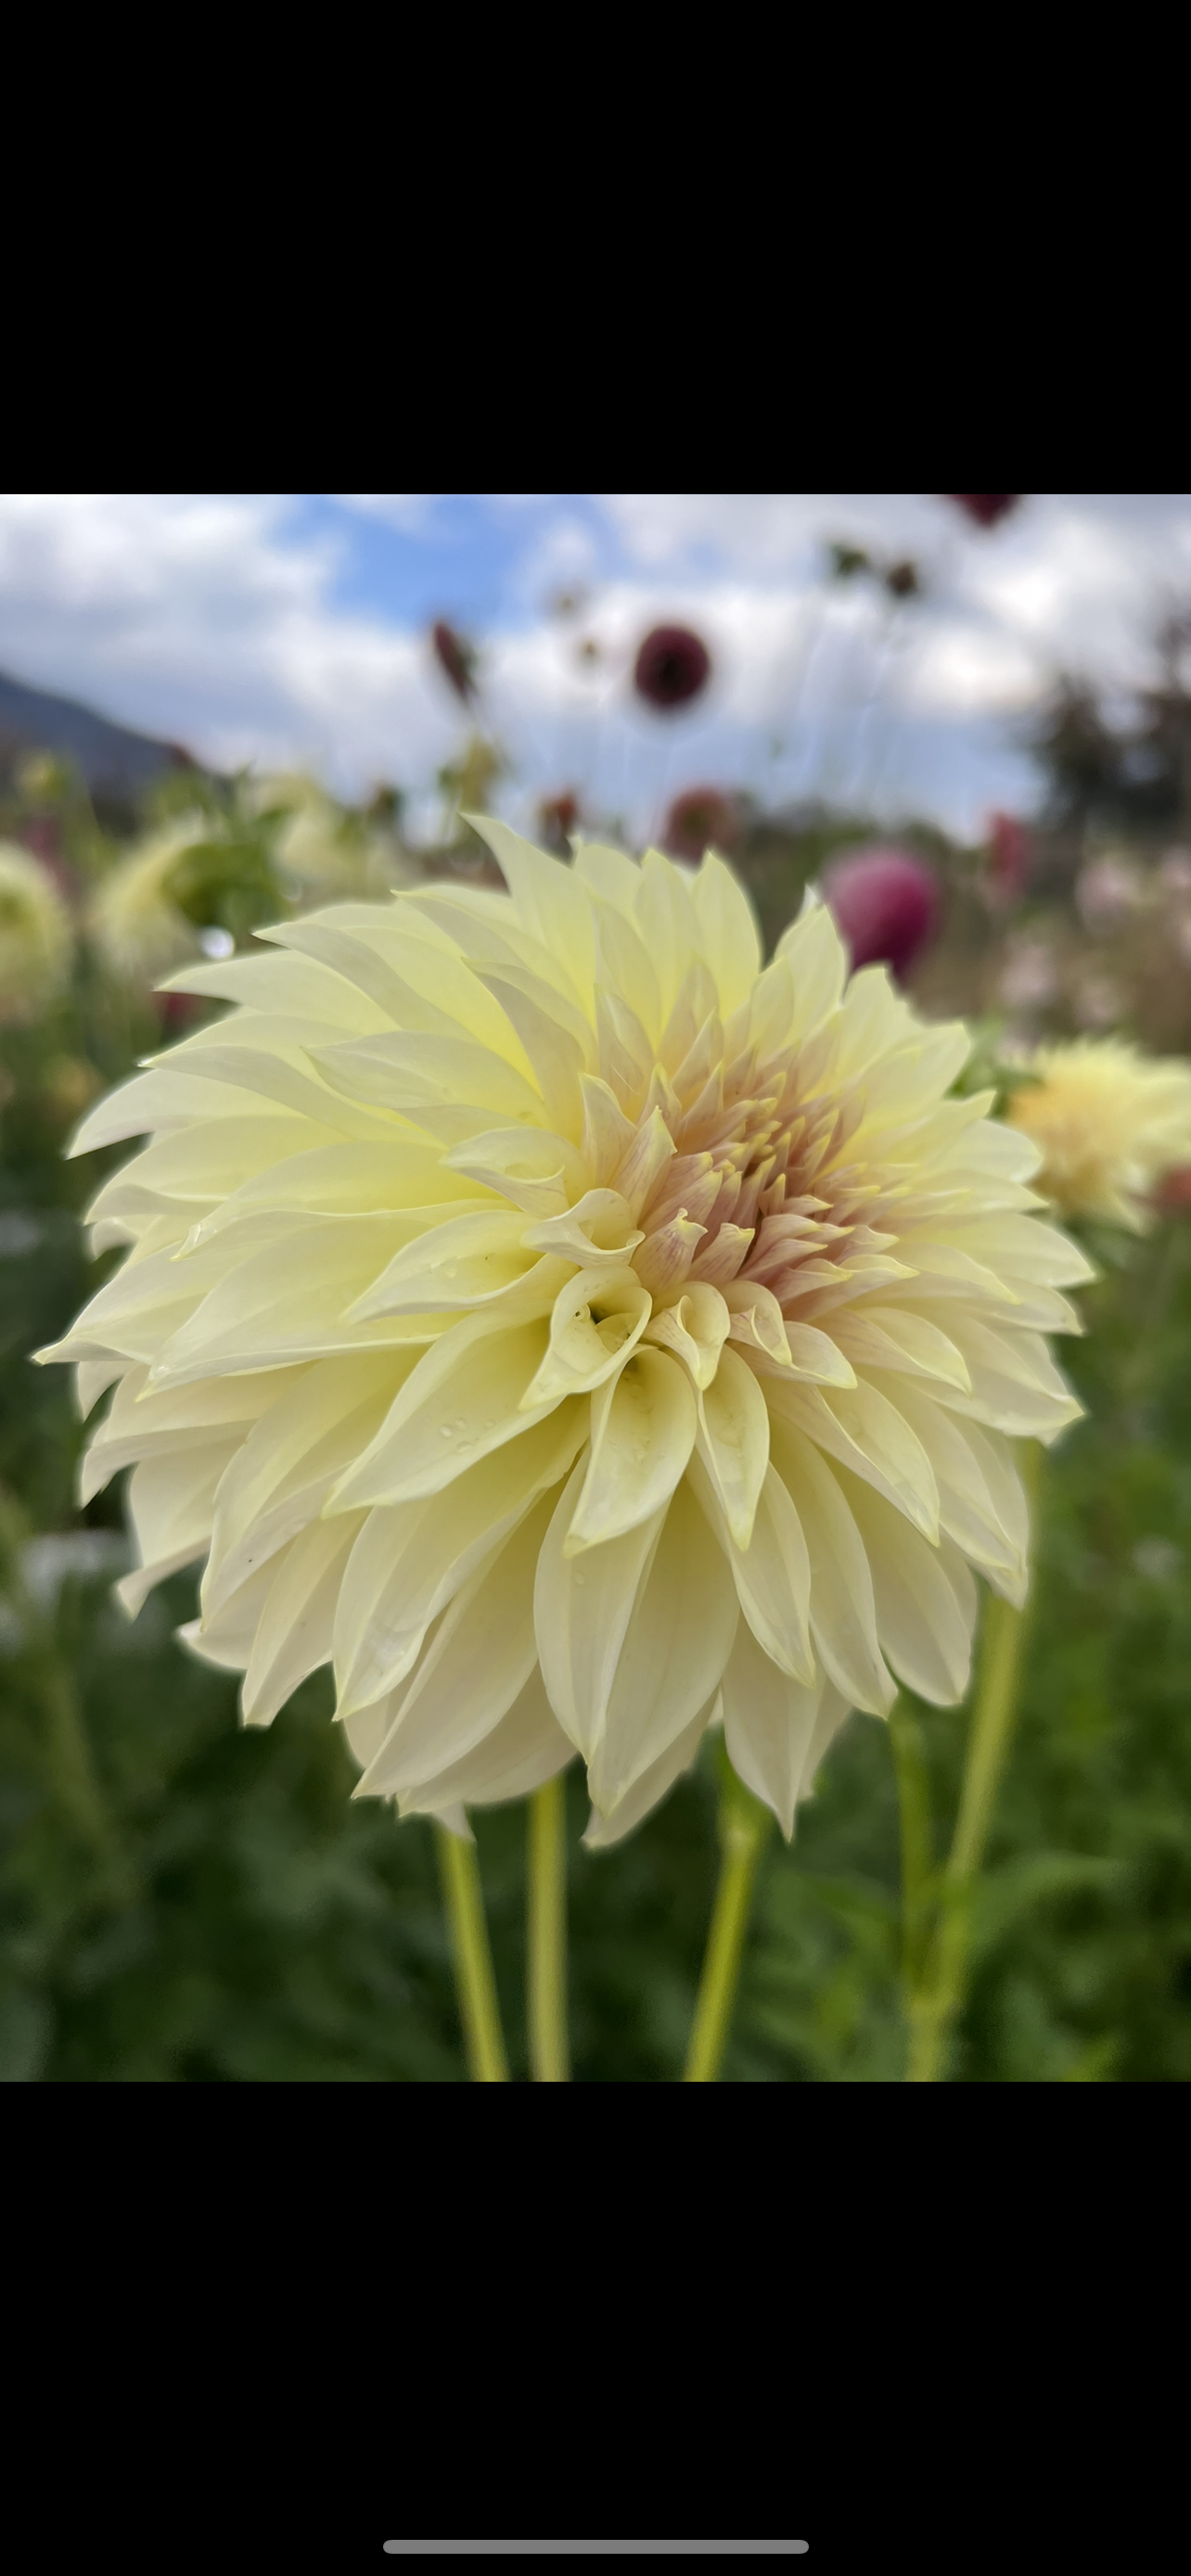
(702, 818)
(986, 507)
(885, 902)
(672, 666)
(455, 659)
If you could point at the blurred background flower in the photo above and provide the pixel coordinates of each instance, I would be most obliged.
(886, 904)
(35, 935)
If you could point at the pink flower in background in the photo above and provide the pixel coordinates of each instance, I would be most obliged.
(986, 508)
(701, 818)
(1173, 1197)
(672, 666)
(885, 902)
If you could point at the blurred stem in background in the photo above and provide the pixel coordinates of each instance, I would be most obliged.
(549, 2051)
(744, 1827)
(935, 1958)
(63, 1750)
(475, 1982)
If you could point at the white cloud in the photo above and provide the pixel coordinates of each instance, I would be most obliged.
(214, 620)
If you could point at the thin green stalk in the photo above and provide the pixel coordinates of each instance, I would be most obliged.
(474, 1980)
(917, 1846)
(936, 2002)
(549, 2054)
(744, 1826)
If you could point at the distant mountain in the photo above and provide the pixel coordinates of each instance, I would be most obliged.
(113, 761)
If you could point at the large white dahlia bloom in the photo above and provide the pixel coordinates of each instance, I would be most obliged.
(571, 1331)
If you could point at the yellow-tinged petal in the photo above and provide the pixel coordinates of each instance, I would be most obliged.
(733, 1441)
(695, 1327)
(642, 1434)
(410, 1559)
(582, 1607)
(675, 1647)
(598, 1318)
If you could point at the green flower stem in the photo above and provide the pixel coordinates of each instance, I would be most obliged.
(744, 1827)
(549, 2054)
(935, 2001)
(474, 1980)
(917, 1851)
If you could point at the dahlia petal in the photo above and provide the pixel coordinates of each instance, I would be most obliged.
(642, 1433)
(597, 1233)
(772, 1575)
(815, 953)
(280, 1477)
(466, 1396)
(729, 938)
(920, 1622)
(868, 1431)
(582, 1607)
(537, 1171)
(343, 1180)
(668, 925)
(651, 1785)
(469, 1260)
(625, 975)
(525, 1747)
(286, 1303)
(675, 1647)
(733, 1442)
(144, 1424)
(472, 1669)
(411, 1558)
(894, 1337)
(553, 907)
(171, 1502)
(409, 1071)
(769, 1721)
(609, 874)
(547, 1029)
(598, 1318)
(842, 1610)
(757, 1318)
(986, 1518)
(294, 1633)
(695, 1328)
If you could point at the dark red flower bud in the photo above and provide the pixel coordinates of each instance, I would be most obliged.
(456, 659)
(886, 904)
(700, 817)
(557, 817)
(903, 580)
(672, 666)
(986, 507)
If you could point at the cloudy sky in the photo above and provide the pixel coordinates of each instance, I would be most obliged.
(292, 628)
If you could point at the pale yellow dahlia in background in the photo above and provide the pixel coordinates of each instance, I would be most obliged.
(1108, 1122)
(35, 935)
(572, 1332)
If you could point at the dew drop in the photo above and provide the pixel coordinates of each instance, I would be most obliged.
(580, 1580)
(445, 1430)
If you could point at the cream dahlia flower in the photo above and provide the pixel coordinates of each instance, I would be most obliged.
(1108, 1123)
(35, 935)
(572, 1332)
(138, 928)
